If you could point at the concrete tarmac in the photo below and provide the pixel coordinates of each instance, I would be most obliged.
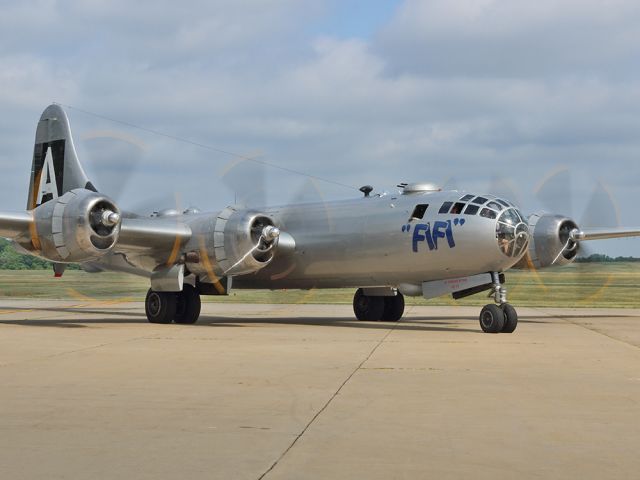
(306, 392)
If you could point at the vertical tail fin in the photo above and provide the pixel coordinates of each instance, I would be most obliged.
(56, 168)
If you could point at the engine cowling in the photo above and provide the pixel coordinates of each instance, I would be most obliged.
(243, 242)
(239, 245)
(552, 242)
(79, 226)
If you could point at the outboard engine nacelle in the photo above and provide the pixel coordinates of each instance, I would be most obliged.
(79, 226)
(552, 242)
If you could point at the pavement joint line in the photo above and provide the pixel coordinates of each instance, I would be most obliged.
(594, 330)
(328, 402)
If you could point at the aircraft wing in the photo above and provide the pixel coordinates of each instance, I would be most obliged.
(604, 233)
(162, 235)
(158, 239)
(13, 224)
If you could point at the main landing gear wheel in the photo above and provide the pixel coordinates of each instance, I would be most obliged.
(188, 306)
(160, 307)
(367, 307)
(492, 319)
(376, 309)
(510, 318)
(393, 308)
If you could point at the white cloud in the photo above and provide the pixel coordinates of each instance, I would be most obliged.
(513, 37)
(463, 88)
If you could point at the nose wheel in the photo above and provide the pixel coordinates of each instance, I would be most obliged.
(500, 318)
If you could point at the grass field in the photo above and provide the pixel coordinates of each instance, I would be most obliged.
(584, 285)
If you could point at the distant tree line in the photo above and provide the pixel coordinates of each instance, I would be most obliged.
(601, 258)
(10, 259)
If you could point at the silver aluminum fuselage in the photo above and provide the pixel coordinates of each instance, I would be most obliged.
(370, 242)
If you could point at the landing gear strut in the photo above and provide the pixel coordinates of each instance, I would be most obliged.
(501, 318)
(179, 307)
(376, 308)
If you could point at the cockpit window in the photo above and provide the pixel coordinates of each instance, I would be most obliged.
(471, 209)
(466, 198)
(495, 206)
(445, 207)
(486, 213)
(480, 200)
(419, 211)
(457, 208)
(502, 202)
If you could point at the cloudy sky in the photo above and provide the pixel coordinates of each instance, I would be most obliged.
(457, 92)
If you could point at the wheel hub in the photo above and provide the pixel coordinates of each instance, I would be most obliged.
(155, 304)
(486, 319)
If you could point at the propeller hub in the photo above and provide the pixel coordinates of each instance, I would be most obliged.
(109, 218)
(270, 233)
(576, 235)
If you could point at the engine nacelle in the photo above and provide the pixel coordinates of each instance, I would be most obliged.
(79, 226)
(243, 242)
(550, 235)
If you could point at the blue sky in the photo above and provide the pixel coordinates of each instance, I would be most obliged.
(454, 92)
(355, 18)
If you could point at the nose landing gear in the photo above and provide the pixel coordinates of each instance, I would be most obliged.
(501, 318)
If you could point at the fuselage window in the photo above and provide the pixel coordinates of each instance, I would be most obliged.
(466, 198)
(418, 212)
(471, 209)
(486, 213)
(457, 208)
(445, 207)
(495, 206)
(480, 200)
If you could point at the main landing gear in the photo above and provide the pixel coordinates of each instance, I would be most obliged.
(179, 307)
(501, 318)
(377, 308)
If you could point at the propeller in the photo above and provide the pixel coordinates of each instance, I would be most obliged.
(115, 157)
(247, 179)
(555, 194)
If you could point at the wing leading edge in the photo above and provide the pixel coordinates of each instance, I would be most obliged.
(605, 233)
(14, 224)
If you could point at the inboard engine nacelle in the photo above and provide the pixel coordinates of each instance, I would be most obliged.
(552, 241)
(79, 226)
(243, 242)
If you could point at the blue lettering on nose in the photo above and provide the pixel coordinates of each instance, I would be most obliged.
(439, 231)
(422, 233)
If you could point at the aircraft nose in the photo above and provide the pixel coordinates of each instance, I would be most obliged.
(512, 233)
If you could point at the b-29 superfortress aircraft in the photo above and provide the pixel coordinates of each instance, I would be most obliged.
(420, 242)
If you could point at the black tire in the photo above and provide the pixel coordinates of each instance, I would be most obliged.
(393, 308)
(160, 307)
(510, 318)
(367, 307)
(188, 306)
(492, 319)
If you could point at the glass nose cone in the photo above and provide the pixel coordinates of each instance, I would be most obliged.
(512, 232)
